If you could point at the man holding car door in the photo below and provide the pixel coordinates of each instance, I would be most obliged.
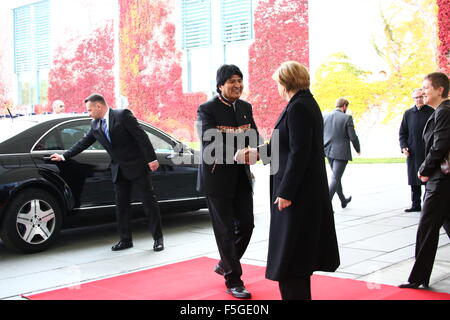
(132, 160)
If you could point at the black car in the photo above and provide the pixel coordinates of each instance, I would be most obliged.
(37, 195)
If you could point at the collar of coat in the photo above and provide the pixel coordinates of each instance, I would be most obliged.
(225, 101)
(301, 93)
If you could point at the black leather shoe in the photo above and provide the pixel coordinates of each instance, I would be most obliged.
(158, 245)
(346, 202)
(413, 285)
(219, 270)
(239, 292)
(413, 209)
(122, 245)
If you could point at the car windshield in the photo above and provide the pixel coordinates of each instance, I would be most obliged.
(11, 127)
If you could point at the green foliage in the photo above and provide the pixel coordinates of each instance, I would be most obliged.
(338, 77)
(408, 48)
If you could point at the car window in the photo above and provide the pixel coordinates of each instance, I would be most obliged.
(71, 134)
(159, 144)
(65, 136)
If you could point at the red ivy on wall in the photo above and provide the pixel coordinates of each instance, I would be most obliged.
(151, 72)
(444, 35)
(75, 75)
(281, 34)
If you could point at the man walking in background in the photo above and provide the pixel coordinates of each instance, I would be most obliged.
(339, 131)
(413, 146)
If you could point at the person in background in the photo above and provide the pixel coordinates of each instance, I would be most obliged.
(436, 204)
(58, 107)
(339, 131)
(412, 144)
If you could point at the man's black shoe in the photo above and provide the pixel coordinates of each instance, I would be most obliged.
(239, 292)
(158, 245)
(413, 285)
(413, 209)
(346, 202)
(219, 270)
(122, 245)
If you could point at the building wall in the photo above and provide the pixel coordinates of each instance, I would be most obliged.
(71, 22)
(155, 77)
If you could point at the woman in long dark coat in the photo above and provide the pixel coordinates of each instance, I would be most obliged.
(302, 232)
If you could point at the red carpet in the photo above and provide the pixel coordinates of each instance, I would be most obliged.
(195, 280)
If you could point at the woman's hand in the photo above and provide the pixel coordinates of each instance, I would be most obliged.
(422, 178)
(282, 203)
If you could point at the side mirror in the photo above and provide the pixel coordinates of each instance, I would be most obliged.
(178, 150)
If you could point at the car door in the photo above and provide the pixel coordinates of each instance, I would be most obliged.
(176, 177)
(87, 174)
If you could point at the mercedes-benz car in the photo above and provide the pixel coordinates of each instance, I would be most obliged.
(38, 196)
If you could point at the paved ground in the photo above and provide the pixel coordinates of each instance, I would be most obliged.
(376, 240)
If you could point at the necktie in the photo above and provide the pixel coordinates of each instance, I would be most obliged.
(105, 130)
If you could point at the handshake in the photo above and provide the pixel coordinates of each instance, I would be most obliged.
(247, 156)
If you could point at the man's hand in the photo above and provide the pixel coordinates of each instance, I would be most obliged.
(247, 156)
(56, 157)
(241, 155)
(405, 151)
(282, 203)
(252, 157)
(154, 165)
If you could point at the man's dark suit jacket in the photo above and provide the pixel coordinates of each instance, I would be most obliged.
(130, 148)
(221, 178)
(339, 131)
(437, 143)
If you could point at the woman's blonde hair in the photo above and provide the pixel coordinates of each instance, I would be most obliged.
(293, 76)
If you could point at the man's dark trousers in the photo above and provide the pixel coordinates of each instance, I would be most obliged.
(232, 232)
(435, 214)
(338, 168)
(123, 210)
(416, 194)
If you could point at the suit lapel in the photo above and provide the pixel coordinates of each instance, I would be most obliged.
(430, 119)
(112, 121)
(100, 136)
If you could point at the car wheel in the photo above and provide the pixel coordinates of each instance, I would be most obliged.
(32, 221)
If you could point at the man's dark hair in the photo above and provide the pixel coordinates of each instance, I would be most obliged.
(439, 79)
(95, 97)
(225, 72)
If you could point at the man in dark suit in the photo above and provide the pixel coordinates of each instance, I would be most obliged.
(222, 121)
(339, 131)
(132, 159)
(412, 144)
